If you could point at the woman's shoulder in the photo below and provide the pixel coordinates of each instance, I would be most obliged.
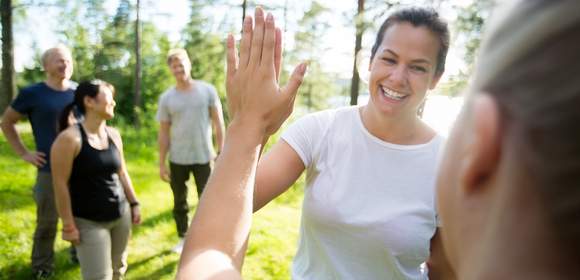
(114, 134)
(113, 130)
(70, 137)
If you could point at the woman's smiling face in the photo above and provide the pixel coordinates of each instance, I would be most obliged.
(403, 69)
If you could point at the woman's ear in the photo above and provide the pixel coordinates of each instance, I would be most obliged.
(88, 102)
(484, 147)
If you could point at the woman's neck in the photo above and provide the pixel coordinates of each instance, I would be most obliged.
(404, 130)
(94, 124)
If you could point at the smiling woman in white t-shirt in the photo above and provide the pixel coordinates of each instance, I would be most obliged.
(369, 210)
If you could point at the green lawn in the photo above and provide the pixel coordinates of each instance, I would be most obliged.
(272, 243)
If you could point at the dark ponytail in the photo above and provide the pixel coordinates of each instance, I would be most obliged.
(63, 120)
(84, 89)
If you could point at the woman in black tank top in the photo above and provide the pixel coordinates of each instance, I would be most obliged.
(93, 192)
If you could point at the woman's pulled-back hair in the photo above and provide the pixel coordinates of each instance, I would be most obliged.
(84, 89)
(531, 67)
(419, 17)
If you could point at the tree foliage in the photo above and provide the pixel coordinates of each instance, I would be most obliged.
(103, 45)
(206, 49)
(103, 48)
(468, 29)
(318, 85)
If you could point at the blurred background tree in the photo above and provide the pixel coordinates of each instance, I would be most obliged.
(103, 40)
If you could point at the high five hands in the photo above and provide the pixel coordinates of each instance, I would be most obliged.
(253, 90)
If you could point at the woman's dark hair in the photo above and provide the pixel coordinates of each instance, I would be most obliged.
(86, 88)
(419, 17)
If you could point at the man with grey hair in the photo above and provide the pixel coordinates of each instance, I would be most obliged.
(186, 114)
(42, 103)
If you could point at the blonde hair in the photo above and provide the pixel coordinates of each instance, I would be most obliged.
(530, 64)
(176, 53)
(517, 28)
(49, 52)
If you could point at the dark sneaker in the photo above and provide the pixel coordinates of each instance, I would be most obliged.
(73, 255)
(42, 275)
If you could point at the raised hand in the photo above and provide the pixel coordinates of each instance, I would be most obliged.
(254, 95)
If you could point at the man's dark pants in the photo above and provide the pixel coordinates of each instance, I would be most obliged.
(46, 221)
(179, 176)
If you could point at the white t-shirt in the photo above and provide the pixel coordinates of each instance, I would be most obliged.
(369, 210)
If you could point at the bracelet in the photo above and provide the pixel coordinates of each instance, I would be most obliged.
(133, 204)
(69, 228)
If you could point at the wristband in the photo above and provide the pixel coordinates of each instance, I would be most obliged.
(133, 204)
(69, 228)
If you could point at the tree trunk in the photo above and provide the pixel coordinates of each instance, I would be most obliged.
(285, 21)
(8, 86)
(354, 85)
(244, 3)
(138, 74)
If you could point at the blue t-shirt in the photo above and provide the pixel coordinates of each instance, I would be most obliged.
(43, 106)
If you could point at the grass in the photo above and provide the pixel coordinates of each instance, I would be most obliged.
(272, 242)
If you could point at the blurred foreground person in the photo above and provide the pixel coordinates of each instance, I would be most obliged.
(509, 184)
(214, 247)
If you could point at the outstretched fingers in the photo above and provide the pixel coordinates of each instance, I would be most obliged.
(278, 53)
(232, 59)
(246, 42)
(269, 45)
(257, 39)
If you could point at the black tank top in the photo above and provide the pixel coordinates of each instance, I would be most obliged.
(95, 190)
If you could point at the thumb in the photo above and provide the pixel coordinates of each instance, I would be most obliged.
(295, 80)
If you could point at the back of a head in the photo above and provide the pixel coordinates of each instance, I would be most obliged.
(530, 64)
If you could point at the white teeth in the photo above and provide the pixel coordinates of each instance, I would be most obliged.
(393, 94)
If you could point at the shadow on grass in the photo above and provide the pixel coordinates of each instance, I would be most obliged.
(18, 270)
(11, 200)
(168, 269)
(153, 221)
(21, 270)
(135, 265)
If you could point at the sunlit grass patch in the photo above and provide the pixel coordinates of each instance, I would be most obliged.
(272, 243)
